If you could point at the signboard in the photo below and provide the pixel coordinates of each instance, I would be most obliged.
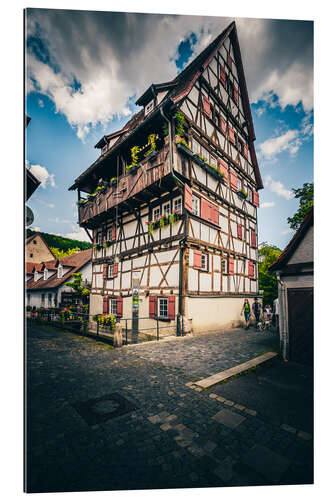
(135, 298)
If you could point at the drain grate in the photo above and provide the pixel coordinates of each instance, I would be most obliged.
(99, 410)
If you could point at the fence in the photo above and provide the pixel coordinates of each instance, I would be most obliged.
(134, 331)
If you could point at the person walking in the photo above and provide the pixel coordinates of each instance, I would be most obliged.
(276, 312)
(268, 312)
(256, 309)
(246, 310)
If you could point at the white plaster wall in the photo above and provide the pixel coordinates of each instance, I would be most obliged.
(205, 282)
(214, 313)
(193, 279)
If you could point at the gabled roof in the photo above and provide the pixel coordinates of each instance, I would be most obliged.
(33, 236)
(75, 262)
(179, 88)
(294, 242)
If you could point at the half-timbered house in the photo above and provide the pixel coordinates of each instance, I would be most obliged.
(171, 202)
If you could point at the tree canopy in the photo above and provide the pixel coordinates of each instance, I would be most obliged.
(77, 286)
(305, 196)
(267, 281)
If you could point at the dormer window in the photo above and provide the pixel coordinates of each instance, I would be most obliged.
(45, 274)
(60, 271)
(149, 108)
(35, 276)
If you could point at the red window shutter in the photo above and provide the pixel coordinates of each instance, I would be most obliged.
(206, 105)
(113, 232)
(239, 231)
(231, 134)
(205, 209)
(235, 95)
(115, 270)
(251, 270)
(223, 76)
(188, 198)
(119, 307)
(223, 125)
(233, 179)
(253, 239)
(171, 306)
(197, 259)
(152, 307)
(105, 305)
(256, 198)
(246, 151)
(214, 213)
(231, 266)
(229, 61)
(105, 270)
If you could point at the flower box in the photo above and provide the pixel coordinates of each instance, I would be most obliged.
(242, 194)
(133, 170)
(213, 172)
(184, 149)
(199, 161)
(151, 157)
(114, 182)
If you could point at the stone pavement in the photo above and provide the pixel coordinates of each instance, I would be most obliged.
(104, 419)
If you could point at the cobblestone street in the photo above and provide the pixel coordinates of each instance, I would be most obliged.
(106, 419)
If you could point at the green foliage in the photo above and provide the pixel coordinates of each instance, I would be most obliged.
(135, 157)
(152, 142)
(182, 141)
(76, 285)
(62, 253)
(305, 195)
(60, 242)
(165, 129)
(267, 281)
(244, 193)
(179, 119)
(105, 320)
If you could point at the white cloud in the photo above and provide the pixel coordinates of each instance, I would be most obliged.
(41, 103)
(48, 205)
(267, 204)
(95, 61)
(61, 221)
(289, 141)
(278, 188)
(35, 228)
(78, 234)
(287, 231)
(43, 175)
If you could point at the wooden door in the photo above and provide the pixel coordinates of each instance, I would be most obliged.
(300, 317)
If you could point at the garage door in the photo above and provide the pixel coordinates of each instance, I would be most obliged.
(300, 313)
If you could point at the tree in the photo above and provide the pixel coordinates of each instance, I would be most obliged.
(77, 286)
(267, 281)
(58, 253)
(305, 196)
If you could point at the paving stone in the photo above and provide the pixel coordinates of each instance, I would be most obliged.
(250, 412)
(220, 399)
(165, 427)
(268, 463)
(239, 407)
(228, 418)
(209, 446)
(229, 403)
(170, 418)
(155, 419)
(304, 435)
(213, 396)
(225, 469)
(288, 428)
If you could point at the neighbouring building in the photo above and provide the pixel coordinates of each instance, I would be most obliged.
(37, 250)
(294, 271)
(45, 282)
(172, 199)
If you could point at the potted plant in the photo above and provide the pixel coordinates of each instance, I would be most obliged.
(113, 181)
(133, 167)
(183, 147)
(152, 151)
(200, 160)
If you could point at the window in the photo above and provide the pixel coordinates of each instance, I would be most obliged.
(177, 205)
(224, 266)
(35, 242)
(216, 118)
(113, 306)
(56, 300)
(110, 271)
(230, 87)
(45, 274)
(43, 298)
(163, 307)
(204, 262)
(50, 299)
(166, 209)
(195, 205)
(35, 276)
(28, 298)
(99, 238)
(149, 107)
(212, 161)
(240, 145)
(60, 271)
(195, 146)
(31, 255)
(156, 213)
(239, 183)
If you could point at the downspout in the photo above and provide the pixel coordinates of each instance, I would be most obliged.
(180, 285)
(283, 318)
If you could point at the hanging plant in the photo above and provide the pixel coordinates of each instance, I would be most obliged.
(135, 157)
(179, 118)
(152, 142)
(165, 129)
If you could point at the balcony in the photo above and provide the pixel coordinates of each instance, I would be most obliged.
(128, 190)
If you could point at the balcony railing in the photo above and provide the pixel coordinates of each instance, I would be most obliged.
(149, 172)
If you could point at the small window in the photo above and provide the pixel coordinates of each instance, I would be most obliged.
(43, 298)
(110, 271)
(166, 209)
(28, 298)
(156, 213)
(31, 255)
(163, 307)
(239, 183)
(113, 306)
(149, 107)
(177, 205)
(195, 146)
(109, 235)
(60, 271)
(240, 145)
(204, 262)
(212, 161)
(195, 205)
(35, 242)
(224, 266)
(45, 274)
(104, 148)
(99, 238)
(50, 299)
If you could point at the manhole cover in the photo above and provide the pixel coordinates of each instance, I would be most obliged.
(99, 410)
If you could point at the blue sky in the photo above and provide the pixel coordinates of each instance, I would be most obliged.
(78, 89)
